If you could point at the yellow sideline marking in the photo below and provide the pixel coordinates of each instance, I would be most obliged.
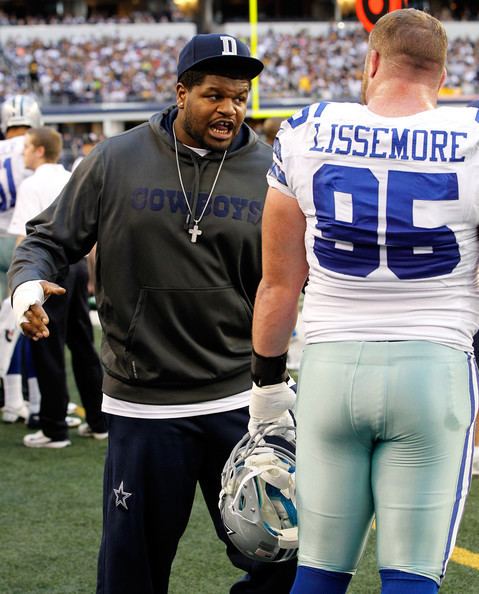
(256, 112)
(459, 555)
(253, 25)
(465, 557)
(272, 113)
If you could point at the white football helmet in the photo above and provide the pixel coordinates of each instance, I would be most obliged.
(258, 498)
(20, 110)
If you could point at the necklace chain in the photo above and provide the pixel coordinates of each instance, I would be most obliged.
(195, 231)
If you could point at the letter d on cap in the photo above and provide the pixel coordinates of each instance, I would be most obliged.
(229, 46)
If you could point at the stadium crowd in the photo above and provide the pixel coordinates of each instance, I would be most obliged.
(81, 70)
(101, 69)
(170, 14)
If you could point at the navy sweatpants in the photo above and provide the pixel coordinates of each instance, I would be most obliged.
(151, 472)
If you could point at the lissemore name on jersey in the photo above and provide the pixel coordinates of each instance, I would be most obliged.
(391, 143)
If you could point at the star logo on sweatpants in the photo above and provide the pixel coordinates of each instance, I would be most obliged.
(121, 496)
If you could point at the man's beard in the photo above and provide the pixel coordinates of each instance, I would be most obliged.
(192, 131)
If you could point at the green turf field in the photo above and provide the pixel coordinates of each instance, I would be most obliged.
(50, 523)
(50, 519)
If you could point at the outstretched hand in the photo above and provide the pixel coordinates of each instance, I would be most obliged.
(37, 320)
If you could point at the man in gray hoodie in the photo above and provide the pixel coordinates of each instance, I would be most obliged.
(174, 206)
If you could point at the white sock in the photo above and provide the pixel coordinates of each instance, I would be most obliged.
(12, 386)
(34, 395)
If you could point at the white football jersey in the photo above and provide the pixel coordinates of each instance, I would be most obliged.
(392, 210)
(12, 173)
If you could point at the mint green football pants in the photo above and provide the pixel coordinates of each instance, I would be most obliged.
(385, 430)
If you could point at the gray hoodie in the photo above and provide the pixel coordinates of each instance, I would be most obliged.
(176, 315)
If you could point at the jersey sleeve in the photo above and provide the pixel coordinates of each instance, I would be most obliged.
(276, 175)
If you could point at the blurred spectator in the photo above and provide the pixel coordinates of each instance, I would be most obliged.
(33, 72)
(88, 142)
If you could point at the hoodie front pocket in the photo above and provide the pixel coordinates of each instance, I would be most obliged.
(182, 337)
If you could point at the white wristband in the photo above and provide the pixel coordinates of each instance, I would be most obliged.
(26, 295)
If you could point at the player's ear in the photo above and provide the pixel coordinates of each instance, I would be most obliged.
(374, 60)
(180, 95)
(443, 78)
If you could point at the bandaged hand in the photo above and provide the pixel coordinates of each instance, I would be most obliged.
(27, 302)
(272, 405)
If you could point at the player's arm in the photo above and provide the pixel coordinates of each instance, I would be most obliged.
(285, 270)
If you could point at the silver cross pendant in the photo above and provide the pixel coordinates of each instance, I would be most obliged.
(195, 231)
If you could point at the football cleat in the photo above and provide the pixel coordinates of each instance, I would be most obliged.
(12, 415)
(258, 498)
(40, 440)
(72, 421)
(84, 430)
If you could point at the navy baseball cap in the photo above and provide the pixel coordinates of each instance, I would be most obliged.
(221, 53)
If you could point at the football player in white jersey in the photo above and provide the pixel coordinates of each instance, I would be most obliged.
(475, 344)
(378, 206)
(18, 114)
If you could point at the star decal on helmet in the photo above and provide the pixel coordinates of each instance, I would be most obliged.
(121, 496)
(228, 530)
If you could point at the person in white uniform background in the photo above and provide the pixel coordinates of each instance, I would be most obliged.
(19, 113)
(378, 205)
(69, 318)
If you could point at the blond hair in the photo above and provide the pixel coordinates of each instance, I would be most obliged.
(411, 38)
(49, 139)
